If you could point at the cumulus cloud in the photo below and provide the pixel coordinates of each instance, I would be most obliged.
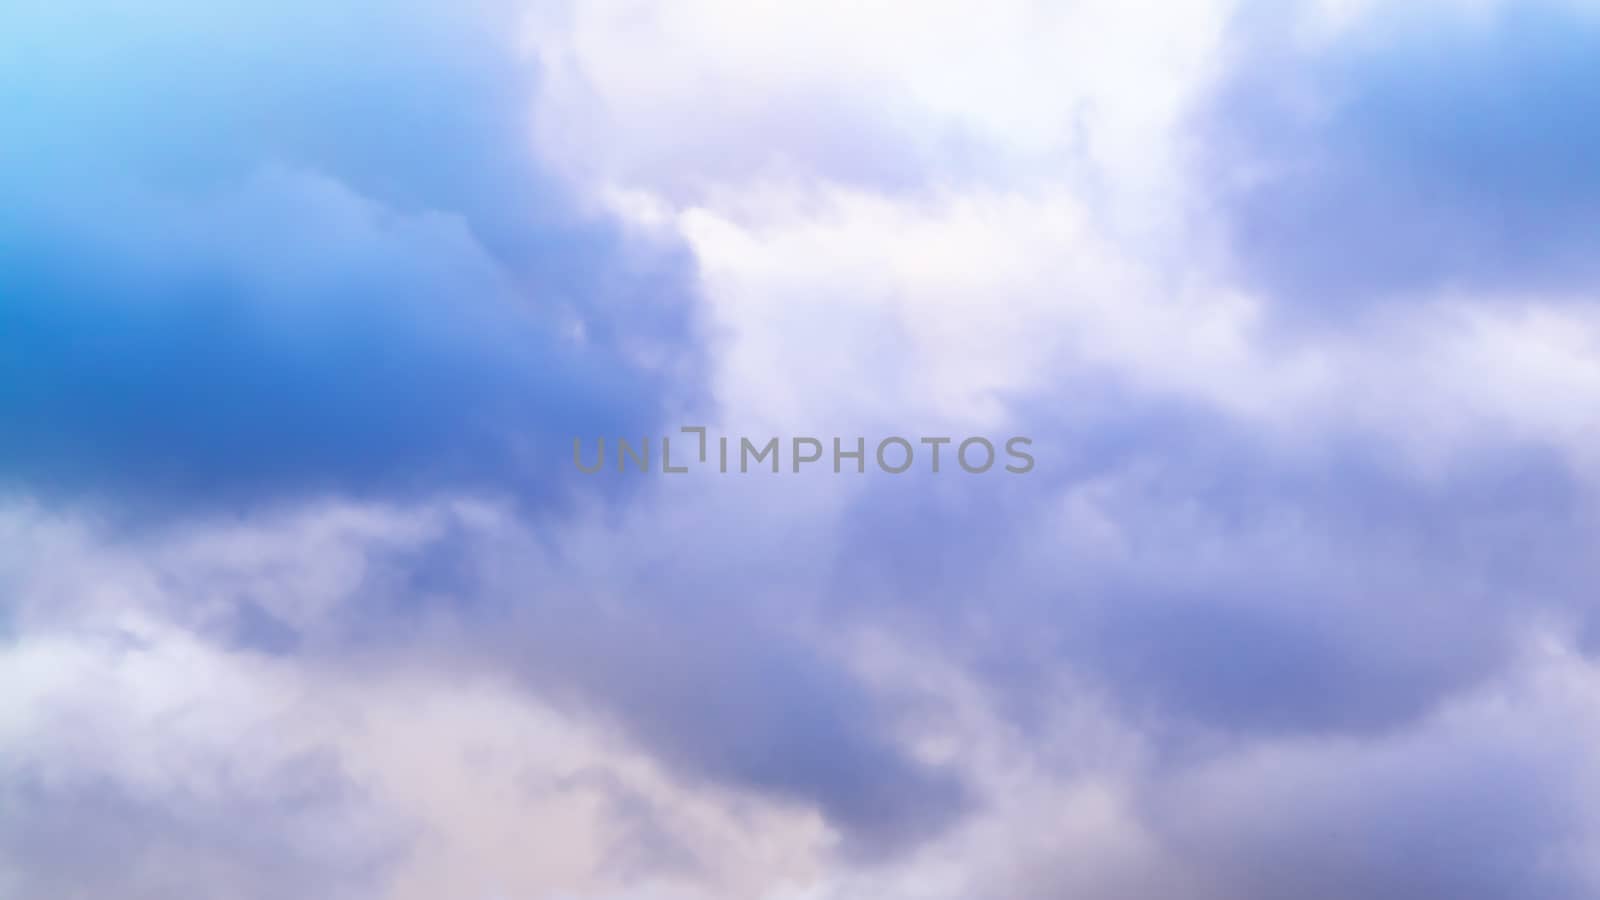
(1292, 602)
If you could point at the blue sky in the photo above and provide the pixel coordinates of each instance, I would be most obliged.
(302, 306)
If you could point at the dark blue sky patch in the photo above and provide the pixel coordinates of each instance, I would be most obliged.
(238, 263)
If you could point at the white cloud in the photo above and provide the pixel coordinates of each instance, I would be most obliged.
(1081, 251)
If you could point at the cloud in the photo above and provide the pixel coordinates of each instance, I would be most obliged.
(685, 101)
(230, 795)
(258, 840)
(1415, 148)
(260, 256)
(1269, 587)
(729, 697)
(1480, 801)
(1208, 579)
(300, 771)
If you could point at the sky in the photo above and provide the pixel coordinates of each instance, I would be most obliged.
(303, 306)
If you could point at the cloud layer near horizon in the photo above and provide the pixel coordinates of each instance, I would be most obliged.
(301, 308)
